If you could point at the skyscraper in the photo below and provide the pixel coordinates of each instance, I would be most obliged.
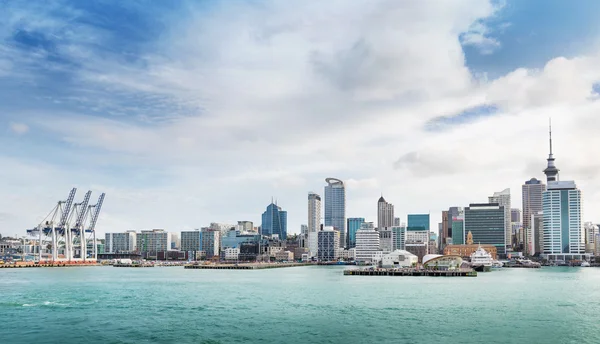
(274, 221)
(354, 224)
(335, 207)
(418, 222)
(564, 237)
(515, 215)
(385, 214)
(486, 222)
(551, 170)
(503, 199)
(314, 222)
(532, 200)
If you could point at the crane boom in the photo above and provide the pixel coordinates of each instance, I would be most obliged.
(67, 208)
(82, 210)
(94, 219)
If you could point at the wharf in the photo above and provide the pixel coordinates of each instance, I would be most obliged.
(242, 266)
(133, 266)
(411, 272)
(44, 265)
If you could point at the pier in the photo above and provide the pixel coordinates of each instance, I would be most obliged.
(410, 272)
(243, 266)
(47, 265)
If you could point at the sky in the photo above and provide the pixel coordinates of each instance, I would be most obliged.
(191, 112)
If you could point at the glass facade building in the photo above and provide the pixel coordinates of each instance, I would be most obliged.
(354, 224)
(335, 207)
(458, 232)
(274, 221)
(418, 222)
(563, 228)
(486, 223)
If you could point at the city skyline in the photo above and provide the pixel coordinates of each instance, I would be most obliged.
(181, 129)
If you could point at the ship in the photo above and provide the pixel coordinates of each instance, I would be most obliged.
(481, 260)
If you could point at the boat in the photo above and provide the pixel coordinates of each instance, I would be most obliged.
(496, 264)
(585, 264)
(481, 260)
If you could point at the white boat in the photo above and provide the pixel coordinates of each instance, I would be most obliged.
(481, 260)
(496, 264)
(585, 264)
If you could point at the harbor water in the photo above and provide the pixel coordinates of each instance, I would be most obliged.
(314, 304)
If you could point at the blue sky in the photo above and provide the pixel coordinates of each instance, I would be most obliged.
(193, 112)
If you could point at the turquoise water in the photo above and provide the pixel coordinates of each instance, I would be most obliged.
(296, 305)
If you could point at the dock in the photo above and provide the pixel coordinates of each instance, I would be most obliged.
(133, 265)
(249, 266)
(410, 272)
(46, 265)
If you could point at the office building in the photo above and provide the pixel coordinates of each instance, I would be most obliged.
(386, 240)
(354, 224)
(397, 222)
(191, 240)
(303, 237)
(564, 235)
(234, 239)
(221, 227)
(211, 242)
(487, 223)
(445, 229)
(274, 222)
(458, 231)
(245, 226)
(399, 233)
(385, 214)
(502, 198)
(335, 207)
(155, 240)
(532, 199)
(515, 215)
(314, 222)
(329, 244)
(367, 243)
(418, 222)
(120, 242)
(591, 230)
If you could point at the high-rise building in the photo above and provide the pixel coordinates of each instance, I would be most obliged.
(486, 222)
(503, 200)
(532, 199)
(335, 207)
(245, 226)
(211, 242)
(303, 238)
(458, 231)
(397, 222)
(591, 230)
(155, 240)
(418, 222)
(386, 240)
(515, 215)
(385, 214)
(367, 243)
(354, 224)
(537, 234)
(191, 240)
(329, 245)
(564, 236)
(446, 229)
(314, 222)
(274, 222)
(120, 242)
(399, 237)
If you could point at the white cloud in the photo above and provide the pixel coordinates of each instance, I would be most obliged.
(19, 128)
(293, 92)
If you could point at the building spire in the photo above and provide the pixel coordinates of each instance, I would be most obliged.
(551, 171)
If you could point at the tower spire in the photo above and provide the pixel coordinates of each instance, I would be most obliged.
(551, 171)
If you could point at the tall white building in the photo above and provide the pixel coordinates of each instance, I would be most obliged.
(335, 207)
(385, 214)
(399, 237)
(564, 236)
(314, 222)
(154, 240)
(367, 243)
(503, 200)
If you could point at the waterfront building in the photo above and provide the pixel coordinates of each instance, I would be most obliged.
(191, 240)
(284, 256)
(466, 250)
(487, 222)
(564, 236)
(398, 259)
(532, 192)
(231, 253)
(458, 231)
(314, 222)
(329, 244)
(399, 237)
(234, 239)
(155, 240)
(597, 246)
(418, 222)
(211, 242)
(502, 198)
(120, 242)
(348, 255)
(367, 243)
(354, 224)
(445, 262)
(249, 251)
(590, 236)
(274, 222)
(386, 240)
(335, 207)
(385, 214)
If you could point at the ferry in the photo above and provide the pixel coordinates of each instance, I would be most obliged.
(481, 260)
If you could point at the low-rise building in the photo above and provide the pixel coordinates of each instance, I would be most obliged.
(232, 253)
(286, 256)
(398, 259)
(465, 251)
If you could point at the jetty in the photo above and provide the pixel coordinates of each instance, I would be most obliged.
(21, 265)
(411, 272)
(245, 266)
(120, 265)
